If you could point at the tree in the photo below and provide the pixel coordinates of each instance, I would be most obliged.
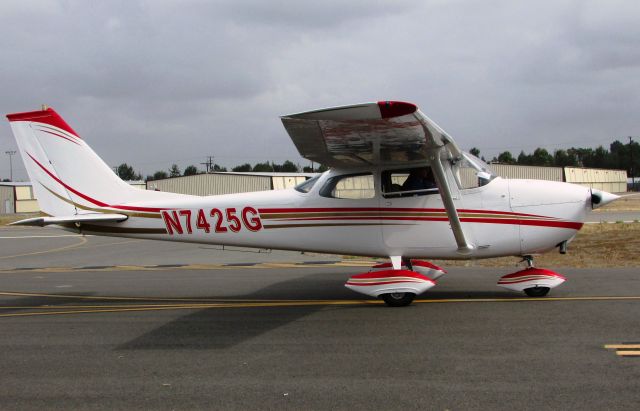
(219, 169)
(286, 167)
(263, 167)
(562, 158)
(524, 159)
(506, 158)
(160, 175)
(190, 171)
(541, 157)
(125, 172)
(244, 168)
(475, 151)
(174, 171)
(621, 155)
(600, 157)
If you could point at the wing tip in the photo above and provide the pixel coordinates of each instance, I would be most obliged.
(389, 109)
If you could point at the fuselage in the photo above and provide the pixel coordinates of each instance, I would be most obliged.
(501, 218)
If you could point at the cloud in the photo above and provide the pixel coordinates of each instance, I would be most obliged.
(156, 82)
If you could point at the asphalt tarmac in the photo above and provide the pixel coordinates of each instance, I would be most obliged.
(106, 323)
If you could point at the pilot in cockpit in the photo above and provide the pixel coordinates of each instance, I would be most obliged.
(419, 179)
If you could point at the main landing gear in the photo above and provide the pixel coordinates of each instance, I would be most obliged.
(397, 288)
(535, 282)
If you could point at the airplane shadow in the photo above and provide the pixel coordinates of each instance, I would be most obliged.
(47, 301)
(222, 328)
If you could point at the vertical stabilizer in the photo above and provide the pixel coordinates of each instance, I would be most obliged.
(67, 176)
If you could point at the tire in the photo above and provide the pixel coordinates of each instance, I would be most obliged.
(398, 299)
(537, 291)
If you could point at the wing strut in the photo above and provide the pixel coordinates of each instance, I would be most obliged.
(464, 247)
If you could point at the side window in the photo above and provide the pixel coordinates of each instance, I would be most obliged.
(409, 182)
(306, 186)
(352, 186)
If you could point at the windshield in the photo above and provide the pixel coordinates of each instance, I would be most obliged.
(471, 172)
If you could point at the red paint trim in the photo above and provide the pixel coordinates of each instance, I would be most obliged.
(527, 280)
(390, 274)
(537, 223)
(93, 200)
(48, 116)
(533, 271)
(512, 221)
(385, 283)
(61, 136)
(79, 194)
(418, 263)
(389, 109)
(389, 210)
(134, 208)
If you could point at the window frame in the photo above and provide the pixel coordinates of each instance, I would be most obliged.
(331, 183)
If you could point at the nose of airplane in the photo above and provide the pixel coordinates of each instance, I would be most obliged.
(600, 198)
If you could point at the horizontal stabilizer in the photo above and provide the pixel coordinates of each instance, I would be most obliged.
(80, 218)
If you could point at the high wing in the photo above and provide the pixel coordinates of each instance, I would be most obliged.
(386, 132)
(382, 133)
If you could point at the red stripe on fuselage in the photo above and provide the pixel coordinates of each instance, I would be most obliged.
(514, 221)
(390, 210)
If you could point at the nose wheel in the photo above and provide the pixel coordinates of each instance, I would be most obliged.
(398, 299)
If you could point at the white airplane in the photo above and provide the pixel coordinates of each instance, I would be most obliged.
(399, 187)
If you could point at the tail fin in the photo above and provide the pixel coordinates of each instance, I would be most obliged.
(67, 176)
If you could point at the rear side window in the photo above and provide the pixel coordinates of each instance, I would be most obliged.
(306, 186)
(352, 186)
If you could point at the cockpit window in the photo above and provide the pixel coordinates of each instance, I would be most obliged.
(471, 172)
(306, 186)
(408, 182)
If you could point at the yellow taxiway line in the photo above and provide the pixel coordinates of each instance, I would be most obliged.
(82, 241)
(196, 304)
(625, 350)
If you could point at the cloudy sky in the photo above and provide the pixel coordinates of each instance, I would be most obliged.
(155, 82)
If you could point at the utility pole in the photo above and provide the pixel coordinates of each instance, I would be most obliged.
(10, 153)
(208, 164)
(633, 180)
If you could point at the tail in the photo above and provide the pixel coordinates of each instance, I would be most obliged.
(68, 177)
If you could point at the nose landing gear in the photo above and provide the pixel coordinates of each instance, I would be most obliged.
(535, 282)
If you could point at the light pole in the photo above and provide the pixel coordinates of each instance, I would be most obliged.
(10, 153)
(633, 180)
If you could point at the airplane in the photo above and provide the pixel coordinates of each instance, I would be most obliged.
(366, 204)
